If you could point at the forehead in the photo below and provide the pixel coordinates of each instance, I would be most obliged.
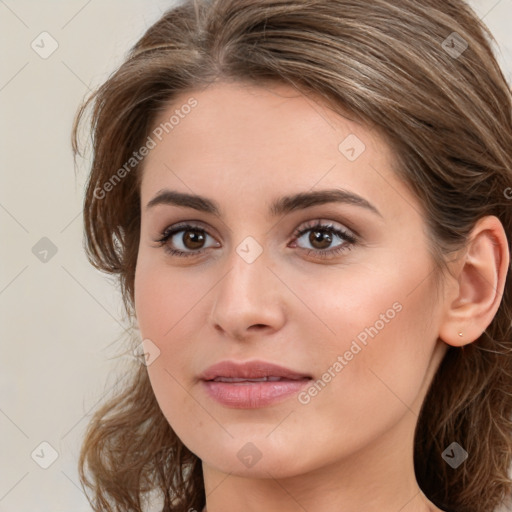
(272, 116)
(264, 140)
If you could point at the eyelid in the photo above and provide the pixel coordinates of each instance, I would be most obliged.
(197, 224)
(172, 229)
(298, 231)
(322, 223)
(349, 240)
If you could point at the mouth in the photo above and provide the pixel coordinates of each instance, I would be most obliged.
(252, 385)
(261, 379)
(251, 371)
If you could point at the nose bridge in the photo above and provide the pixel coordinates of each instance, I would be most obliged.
(248, 293)
(248, 275)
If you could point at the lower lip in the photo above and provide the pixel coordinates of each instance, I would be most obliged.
(252, 395)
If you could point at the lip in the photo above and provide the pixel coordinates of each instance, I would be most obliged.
(250, 370)
(236, 392)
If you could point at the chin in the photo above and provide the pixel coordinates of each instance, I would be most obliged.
(253, 457)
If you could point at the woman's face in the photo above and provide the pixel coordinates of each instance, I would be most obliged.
(351, 308)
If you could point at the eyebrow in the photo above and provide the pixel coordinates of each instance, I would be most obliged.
(281, 206)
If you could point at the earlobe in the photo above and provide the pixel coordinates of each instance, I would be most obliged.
(473, 299)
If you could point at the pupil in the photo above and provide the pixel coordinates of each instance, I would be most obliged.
(320, 236)
(196, 239)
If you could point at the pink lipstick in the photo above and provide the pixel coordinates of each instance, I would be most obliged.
(251, 384)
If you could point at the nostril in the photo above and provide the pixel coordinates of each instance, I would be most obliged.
(258, 326)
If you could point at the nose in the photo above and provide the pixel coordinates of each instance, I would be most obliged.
(249, 299)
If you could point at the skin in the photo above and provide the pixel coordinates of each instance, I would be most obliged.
(351, 447)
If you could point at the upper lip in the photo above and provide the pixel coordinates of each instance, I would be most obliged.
(250, 370)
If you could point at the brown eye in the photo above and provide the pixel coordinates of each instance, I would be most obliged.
(190, 243)
(192, 239)
(321, 237)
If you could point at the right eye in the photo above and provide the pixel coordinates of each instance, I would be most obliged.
(194, 236)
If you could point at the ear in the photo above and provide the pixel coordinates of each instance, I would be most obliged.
(474, 296)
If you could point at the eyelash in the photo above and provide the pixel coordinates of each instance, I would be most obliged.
(350, 240)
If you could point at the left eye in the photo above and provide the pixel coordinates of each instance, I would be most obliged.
(322, 234)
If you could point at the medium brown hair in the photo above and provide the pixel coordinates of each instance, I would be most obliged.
(448, 119)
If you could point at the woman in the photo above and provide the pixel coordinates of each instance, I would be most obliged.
(307, 204)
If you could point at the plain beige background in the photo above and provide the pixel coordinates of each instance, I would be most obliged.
(59, 318)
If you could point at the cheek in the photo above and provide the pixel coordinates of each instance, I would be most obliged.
(162, 297)
(165, 302)
(160, 303)
(384, 331)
